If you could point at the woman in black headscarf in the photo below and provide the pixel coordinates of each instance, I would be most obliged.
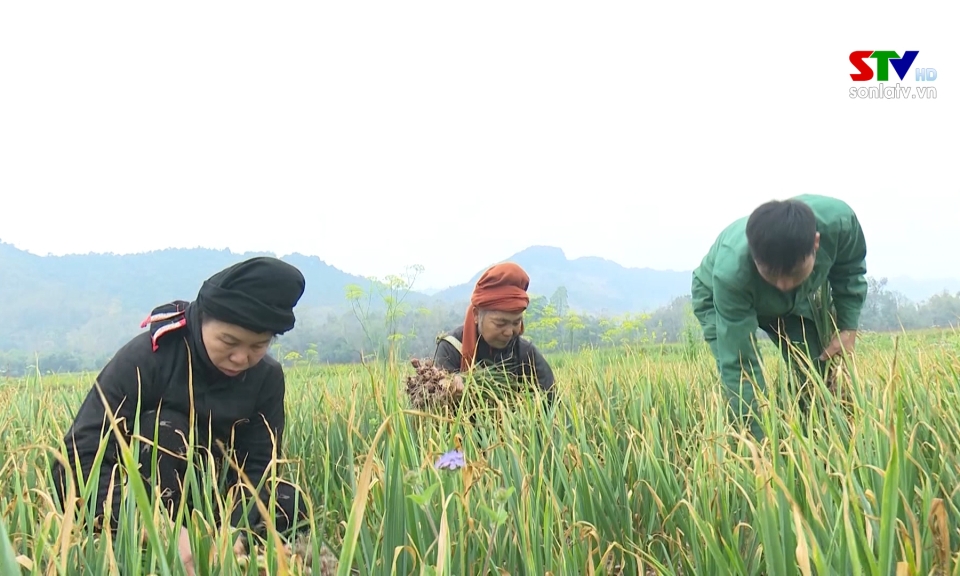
(237, 390)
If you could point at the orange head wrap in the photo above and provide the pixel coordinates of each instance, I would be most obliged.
(502, 287)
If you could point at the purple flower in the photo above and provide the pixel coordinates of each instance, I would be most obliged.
(450, 461)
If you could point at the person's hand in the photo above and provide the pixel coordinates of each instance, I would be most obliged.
(239, 549)
(186, 555)
(845, 343)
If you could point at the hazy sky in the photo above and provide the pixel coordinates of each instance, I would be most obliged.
(453, 134)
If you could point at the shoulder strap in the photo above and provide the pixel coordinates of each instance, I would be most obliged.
(449, 338)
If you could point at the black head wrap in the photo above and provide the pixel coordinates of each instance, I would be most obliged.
(257, 294)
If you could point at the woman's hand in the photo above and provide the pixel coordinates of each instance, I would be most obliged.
(238, 547)
(186, 554)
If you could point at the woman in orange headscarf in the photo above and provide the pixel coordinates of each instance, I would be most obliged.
(490, 335)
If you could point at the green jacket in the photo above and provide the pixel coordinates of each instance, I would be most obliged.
(741, 299)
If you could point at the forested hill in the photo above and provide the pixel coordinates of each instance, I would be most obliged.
(54, 301)
(47, 297)
(76, 310)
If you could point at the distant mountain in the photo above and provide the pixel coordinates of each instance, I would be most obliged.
(49, 300)
(94, 302)
(146, 279)
(594, 285)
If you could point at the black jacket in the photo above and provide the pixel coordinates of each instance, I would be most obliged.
(231, 406)
(520, 358)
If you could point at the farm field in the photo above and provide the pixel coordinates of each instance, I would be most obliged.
(634, 473)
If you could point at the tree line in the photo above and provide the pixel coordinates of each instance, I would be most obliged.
(381, 321)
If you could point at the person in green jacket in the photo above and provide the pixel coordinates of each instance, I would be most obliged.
(762, 272)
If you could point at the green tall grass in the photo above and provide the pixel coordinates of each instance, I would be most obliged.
(635, 472)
